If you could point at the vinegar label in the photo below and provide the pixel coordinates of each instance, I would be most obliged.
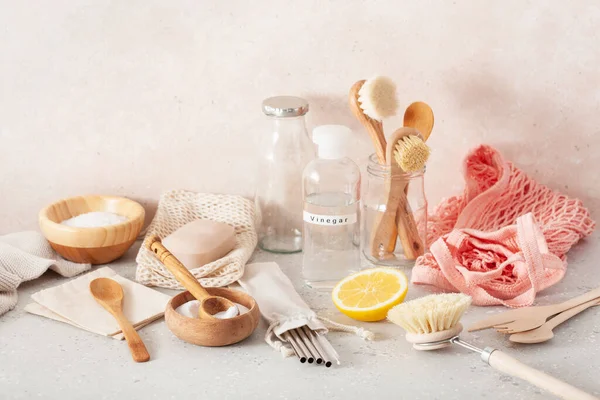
(329, 220)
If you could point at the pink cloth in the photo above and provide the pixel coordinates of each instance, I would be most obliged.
(477, 249)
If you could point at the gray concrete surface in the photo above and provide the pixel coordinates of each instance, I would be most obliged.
(40, 358)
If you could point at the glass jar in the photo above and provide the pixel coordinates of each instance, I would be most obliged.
(401, 252)
(285, 151)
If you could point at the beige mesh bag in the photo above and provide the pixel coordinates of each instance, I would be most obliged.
(178, 207)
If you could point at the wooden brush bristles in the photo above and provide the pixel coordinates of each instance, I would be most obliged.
(411, 153)
(429, 314)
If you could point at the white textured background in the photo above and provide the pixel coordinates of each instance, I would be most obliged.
(135, 97)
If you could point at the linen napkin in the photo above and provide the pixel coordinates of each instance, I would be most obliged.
(283, 307)
(25, 256)
(72, 303)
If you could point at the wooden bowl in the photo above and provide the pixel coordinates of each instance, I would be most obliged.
(213, 332)
(99, 245)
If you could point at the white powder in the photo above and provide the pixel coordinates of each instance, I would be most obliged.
(94, 219)
(191, 308)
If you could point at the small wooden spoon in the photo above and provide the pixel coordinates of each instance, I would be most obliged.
(544, 332)
(209, 305)
(109, 294)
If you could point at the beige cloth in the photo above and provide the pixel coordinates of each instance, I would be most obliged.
(73, 304)
(25, 256)
(178, 207)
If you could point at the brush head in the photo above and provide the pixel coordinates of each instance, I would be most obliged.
(377, 98)
(431, 318)
(411, 153)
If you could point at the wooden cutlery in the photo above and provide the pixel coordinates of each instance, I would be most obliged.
(533, 324)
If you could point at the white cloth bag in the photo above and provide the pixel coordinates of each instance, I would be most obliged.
(283, 307)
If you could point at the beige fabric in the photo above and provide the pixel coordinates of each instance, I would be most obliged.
(72, 303)
(178, 207)
(25, 256)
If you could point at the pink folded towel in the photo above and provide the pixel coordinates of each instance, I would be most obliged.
(486, 242)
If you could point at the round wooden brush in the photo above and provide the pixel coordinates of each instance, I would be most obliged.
(404, 149)
(433, 322)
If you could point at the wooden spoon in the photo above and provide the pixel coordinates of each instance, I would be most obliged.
(419, 115)
(209, 305)
(544, 332)
(109, 294)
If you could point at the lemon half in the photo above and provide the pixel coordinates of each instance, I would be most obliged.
(369, 294)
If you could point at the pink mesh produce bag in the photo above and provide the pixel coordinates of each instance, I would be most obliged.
(480, 245)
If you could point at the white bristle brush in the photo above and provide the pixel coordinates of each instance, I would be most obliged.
(371, 101)
(433, 322)
(377, 98)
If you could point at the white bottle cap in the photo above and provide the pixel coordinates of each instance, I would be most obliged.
(332, 141)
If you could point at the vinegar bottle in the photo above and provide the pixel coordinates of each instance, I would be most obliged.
(331, 187)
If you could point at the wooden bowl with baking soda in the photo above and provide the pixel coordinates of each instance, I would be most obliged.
(212, 332)
(92, 229)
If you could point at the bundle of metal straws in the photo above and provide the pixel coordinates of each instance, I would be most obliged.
(310, 346)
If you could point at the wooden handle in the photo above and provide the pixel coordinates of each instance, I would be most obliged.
(386, 223)
(134, 341)
(575, 301)
(181, 273)
(511, 366)
(383, 237)
(408, 232)
(570, 313)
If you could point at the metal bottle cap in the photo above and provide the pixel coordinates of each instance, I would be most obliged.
(285, 106)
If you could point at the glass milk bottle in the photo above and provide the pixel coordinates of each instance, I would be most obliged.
(331, 186)
(285, 151)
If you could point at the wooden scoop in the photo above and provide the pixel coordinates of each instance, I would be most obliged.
(109, 294)
(209, 305)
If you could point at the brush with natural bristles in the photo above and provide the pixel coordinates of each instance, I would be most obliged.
(406, 153)
(371, 101)
(433, 322)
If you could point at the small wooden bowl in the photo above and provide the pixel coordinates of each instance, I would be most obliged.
(213, 332)
(99, 245)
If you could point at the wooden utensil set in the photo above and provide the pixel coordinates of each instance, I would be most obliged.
(535, 324)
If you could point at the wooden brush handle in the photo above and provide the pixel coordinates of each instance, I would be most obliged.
(134, 341)
(181, 273)
(383, 238)
(408, 232)
(385, 230)
(511, 366)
